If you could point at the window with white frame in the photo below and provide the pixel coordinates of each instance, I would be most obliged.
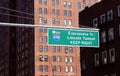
(40, 48)
(110, 15)
(71, 50)
(65, 4)
(46, 58)
(41, 68)
(45, 2)
(66, 49)
(58, 21)
(66, 59)
(53, 21)
(69, 4)
(45, 20)
(57, 2)
(112, 55)
(65, 22)
(103, 37)
(41, 58)
(104, 57)
(40, 20)
(59, 68)
(71, 69)
(66, 69)
(119, 10)
(69, 22)
(41, 39)
(46, 68)
(102, 18)
(83, 5)
(71, 59)
(59, 58)
(45, 48)
(97, 59)
(110, 34)
(45, 39)
(95, 22)
(54, 58)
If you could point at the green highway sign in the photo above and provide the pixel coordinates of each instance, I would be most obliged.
(73, 37)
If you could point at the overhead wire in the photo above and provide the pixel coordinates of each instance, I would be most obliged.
(16, 11)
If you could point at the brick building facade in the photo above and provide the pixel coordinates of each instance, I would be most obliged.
(105, 60)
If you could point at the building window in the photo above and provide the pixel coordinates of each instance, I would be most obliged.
(53, 11)
(40, 20)
(45, 30)
(40, 10)
(114, 74)
(40, 30)
(45, 10)
(59, 58)
(102, 18)
(41, 39)
(71, 59)
(97, 59)
(94, 1)
(103, 37)
(57, 12)
(66, 59)
(45, 2)
(84, 65)
(119, 29)
(57, 2)
(69, 13)
(95, 22)
(69, 22)
(41, 68)
(53, 21)
(65, 12)
(71, 68)
(83, 5)
(79, 5)
(66, 69)
(41, 58)
(65, 22)
(59, 68)
(54, 58)
(46, 58)
(46, 68)
(54, 68)
(104, 57)
(58, 49)
(119, 10)
(53, 2)
(69, 4)
(41, 48)
(45, 38)
(45, 20)
(110, 15)
(65, 4)
(54, 49)
(66, 49)
(40, 1)
(110, 34)
(112, 55)
(71, 50)
(45, 48)
(58, 21)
